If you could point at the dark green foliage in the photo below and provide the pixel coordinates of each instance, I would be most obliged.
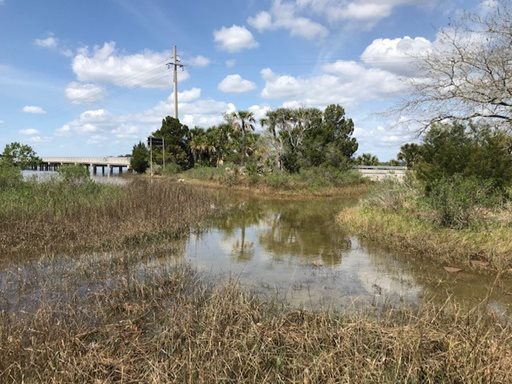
(409, 153)
(177, 143)
(74, 174)
(308, 137)
(139, 161)
(367, 159)
(482, 152)
(335, 136)
(20, 155)
(10, 175)
(242, 122)
(454, 199)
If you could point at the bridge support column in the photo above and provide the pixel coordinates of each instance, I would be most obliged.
(120, 170)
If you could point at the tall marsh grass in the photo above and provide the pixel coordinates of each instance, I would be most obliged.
(456, 224)
(177, 328)
(56, 216)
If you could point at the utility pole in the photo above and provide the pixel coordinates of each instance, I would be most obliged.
(175, 64)
(151, 156)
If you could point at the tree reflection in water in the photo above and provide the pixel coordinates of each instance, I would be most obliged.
(304, 229)
(307, 231)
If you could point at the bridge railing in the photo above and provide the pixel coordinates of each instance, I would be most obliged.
(108, 160)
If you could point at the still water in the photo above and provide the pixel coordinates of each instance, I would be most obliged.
(294, 250)
(290, 250)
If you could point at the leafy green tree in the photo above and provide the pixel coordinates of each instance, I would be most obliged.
(331, 143)
(409, 154)
(139, 161)
(367, 159)
(466, 150)
(20, 155)
(177, 143)
(243, 122)
(308, 137)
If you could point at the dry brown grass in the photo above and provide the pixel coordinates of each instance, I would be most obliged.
(476, 248)
(139, 212)
(177, 328)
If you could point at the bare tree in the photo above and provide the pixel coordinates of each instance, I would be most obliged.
(467, 75)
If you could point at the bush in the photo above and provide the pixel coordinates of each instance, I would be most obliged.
(472, 151)
(455, 198)
(10, 176)
(74, 174)
(171, 169)
(393, 195)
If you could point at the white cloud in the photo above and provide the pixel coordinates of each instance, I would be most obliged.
(97, 139)
(259, 111)
(235, 84)
(399, 55)
(199, 61)
(29, 132)
(284, 16)
(99, 125)
(40, 139)
(34, 136)
(262, 21)
(33, 109)
(188, 95)
(106, 65)
(234, 38)
(49, 42)
(296, 15)
(84, 93)
(342, 82)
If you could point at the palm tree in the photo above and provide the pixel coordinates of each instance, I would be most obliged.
(242, 121)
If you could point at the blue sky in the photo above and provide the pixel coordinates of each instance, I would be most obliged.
(89, 77)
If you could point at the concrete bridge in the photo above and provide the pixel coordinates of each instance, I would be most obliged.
(108, 163)
(381, 172)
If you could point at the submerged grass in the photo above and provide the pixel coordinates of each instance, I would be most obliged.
(176, 327)
(54, 217)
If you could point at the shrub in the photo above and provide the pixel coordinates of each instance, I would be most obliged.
(74, 174)
(393, 195)
(171, 169)
(455, 198)
(10, 176)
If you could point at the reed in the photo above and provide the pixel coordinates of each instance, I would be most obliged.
(56, 217)
(177, 327)
(479, 248)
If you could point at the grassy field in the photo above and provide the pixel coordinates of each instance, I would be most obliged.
(176, 327)
(93, 290)
(54, 217)
(398, 217)
(311, 182)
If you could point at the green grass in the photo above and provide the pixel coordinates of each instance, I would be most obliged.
(33, 197)
(56, 217)
(482, 247)
(313, 181)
